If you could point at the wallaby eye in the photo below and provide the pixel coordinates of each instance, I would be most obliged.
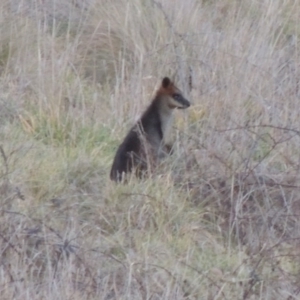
(177, 96)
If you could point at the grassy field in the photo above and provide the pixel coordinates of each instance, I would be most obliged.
(219, 219)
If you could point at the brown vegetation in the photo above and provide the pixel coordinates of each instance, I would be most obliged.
(218, 219)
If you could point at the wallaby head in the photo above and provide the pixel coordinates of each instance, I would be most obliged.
(172, 95)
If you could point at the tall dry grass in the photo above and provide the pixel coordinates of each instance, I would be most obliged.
(220, 217)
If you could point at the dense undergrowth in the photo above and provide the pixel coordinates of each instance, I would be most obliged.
(219, 219)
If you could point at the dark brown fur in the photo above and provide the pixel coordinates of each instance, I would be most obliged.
(145, 138)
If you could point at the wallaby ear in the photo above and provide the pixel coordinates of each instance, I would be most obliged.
(166, 82)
